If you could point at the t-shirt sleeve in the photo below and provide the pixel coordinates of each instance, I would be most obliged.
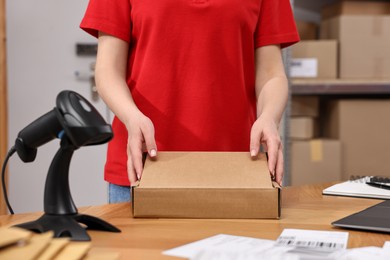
(110, 16)
(276, 24)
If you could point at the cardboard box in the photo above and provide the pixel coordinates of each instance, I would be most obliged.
(355, 8)
(321, 55)
(303, 127)
(363, 45)
(315, 161)
(363, 127)
(307, 30)
(305, 106)
(206, 185)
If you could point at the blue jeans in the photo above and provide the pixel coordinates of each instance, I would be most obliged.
(117, 193)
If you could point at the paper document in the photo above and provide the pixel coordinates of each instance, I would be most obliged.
(292, 244)
(357, 188)
(219, 242)
(364, 253)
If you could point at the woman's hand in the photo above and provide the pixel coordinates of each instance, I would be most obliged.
(265, 132)
(110, 76)
(271, 95)
(140, 139)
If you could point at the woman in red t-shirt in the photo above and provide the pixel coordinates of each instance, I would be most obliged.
(190, 75)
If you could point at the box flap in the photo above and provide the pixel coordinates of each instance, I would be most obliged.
(206, 170)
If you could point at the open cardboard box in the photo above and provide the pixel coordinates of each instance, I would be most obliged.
(206, 185)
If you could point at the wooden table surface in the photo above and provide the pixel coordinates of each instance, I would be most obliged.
(302, 207)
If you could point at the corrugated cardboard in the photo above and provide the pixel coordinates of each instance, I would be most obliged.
(74, 250)
(303, 127)
(206, 185)
(363, 45)
(363, 127)
(324, 51)
(355, 8)
(13, 235)
(315, 161)
(103, 256)
(305, 106)
(53, 249)
(31, 250)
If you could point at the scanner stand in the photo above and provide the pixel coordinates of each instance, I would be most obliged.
(61, 214)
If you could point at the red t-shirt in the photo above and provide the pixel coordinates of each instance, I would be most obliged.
(191, 68)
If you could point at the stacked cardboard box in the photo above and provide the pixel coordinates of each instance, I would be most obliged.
(362, 29)
(313, 159)
(303, 121)
(314, 59)
(311, 57)
(307, 30)
(363, 127)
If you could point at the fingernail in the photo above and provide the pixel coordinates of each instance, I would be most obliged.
(153, 152)
(253, 152)
(139, 176)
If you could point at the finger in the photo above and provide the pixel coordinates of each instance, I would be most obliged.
(272, 150)
(136, 156)
(255, 137)
(280, 166)
(131, 171)
(150, 142)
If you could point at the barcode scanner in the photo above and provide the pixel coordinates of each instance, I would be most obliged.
(73, 117)
(76, 123)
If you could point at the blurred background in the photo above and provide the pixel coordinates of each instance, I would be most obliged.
(335, 126)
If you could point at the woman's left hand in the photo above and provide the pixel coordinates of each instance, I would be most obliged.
(265, 132)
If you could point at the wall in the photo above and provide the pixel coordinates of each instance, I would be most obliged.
(41, 36)
(3, 96)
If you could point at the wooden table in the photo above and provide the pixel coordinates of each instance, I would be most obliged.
(302, 207)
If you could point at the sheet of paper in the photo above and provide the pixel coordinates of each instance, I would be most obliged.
(363, 253)
(357, 188)
(293, 244)
(220, 241)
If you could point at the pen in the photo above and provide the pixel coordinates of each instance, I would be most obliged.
(379, 185)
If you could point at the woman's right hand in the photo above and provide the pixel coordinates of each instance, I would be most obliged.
(111, 82)
(140, 139)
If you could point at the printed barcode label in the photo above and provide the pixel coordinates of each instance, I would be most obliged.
(291, 241)
(313, 241)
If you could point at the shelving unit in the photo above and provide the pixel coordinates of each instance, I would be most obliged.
(326, 90)
(340, 87)
(331, 89)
